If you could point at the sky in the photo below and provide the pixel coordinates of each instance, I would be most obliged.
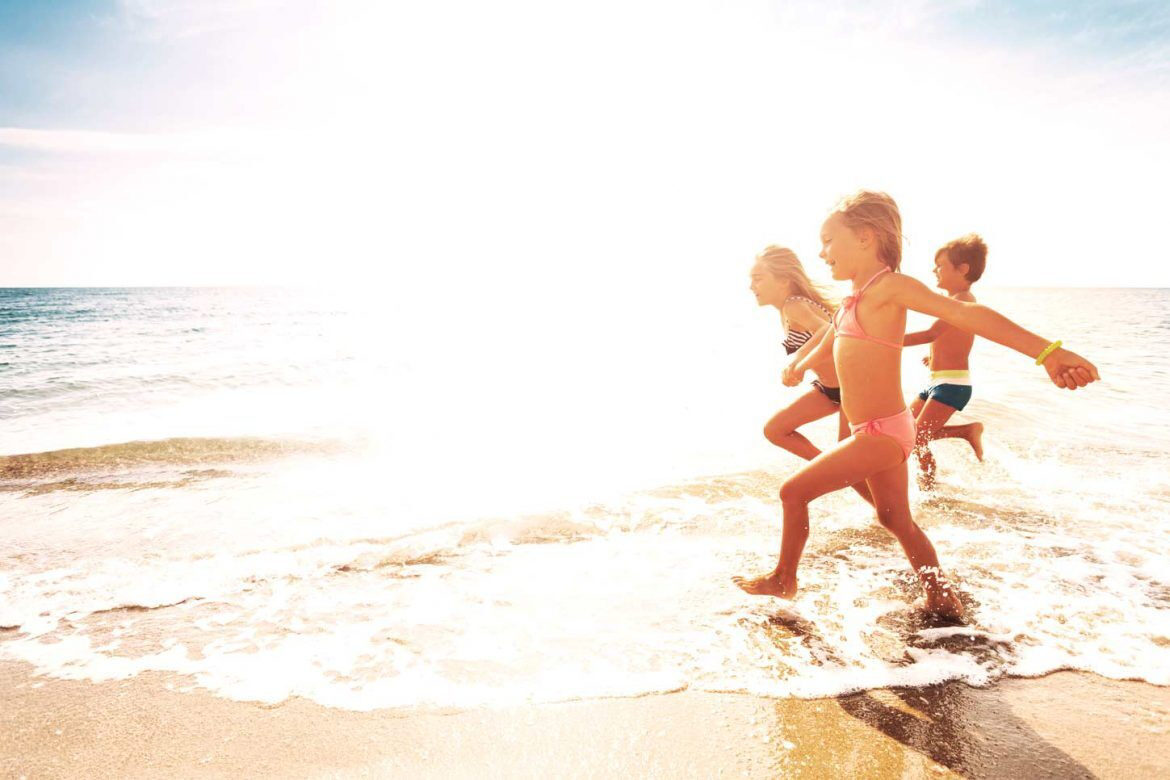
(457, 147)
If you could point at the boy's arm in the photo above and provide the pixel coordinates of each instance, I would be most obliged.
(924, 336)
(1065, 368)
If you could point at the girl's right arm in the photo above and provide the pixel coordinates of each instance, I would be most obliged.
(824, 338)
(1066, 369)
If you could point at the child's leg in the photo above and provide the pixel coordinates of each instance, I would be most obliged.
(781, 429)
(931, 416)
(889, 489)
(850, 462)
(971, 432)
(843, 433)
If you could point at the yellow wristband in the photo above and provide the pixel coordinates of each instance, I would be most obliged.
(1047, 351)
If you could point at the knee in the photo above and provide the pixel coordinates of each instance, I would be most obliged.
(776, 433)
(893, 519)
(791, 492)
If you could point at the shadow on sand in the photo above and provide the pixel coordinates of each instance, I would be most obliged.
(970, 732)
(974, 736)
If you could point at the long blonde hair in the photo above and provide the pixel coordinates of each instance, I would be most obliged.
(783, 263)
(878, 212)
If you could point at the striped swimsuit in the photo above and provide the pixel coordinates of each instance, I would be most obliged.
(795, 339)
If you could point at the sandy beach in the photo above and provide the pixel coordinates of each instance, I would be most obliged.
(1065, 725)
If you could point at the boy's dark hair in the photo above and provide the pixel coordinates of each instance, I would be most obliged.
(968, 249)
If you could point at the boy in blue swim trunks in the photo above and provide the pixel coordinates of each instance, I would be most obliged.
(957, 266)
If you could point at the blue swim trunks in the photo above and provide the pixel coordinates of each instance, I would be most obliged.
(952, 387)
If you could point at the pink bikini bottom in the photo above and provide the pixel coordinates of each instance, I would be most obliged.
(899, 427)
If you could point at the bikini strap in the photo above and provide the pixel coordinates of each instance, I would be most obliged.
(865, 286)
(809, 300)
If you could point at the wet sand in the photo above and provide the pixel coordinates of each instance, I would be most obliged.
(1066, 725)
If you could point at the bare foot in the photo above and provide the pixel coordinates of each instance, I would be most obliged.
(975, 439)
(768, 585)
(941, 599)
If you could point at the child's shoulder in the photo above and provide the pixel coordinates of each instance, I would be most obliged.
(803, 310)
(801, 302)
(897, 281)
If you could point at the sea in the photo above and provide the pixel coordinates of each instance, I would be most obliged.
(350, 497)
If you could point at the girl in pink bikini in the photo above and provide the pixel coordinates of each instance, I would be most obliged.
(862, 243)
(778, 279)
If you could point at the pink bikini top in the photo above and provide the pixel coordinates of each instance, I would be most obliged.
(845, 321)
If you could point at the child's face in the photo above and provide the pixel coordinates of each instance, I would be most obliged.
(947, 276)
(769, 290)
(841, 249)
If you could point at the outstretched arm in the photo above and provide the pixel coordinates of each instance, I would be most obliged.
(923, 336)
(1065, 368)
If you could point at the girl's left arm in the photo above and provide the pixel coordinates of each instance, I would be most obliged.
(1065, 368)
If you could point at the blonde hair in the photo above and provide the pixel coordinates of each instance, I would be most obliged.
(878, 212)
(783, 263)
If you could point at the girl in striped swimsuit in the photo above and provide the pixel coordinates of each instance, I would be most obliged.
(862, 243)
(778, 279)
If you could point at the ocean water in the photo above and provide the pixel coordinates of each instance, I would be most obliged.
(367, 503)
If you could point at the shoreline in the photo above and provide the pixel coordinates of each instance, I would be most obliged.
(1066, 724)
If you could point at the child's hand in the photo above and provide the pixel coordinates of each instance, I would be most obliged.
(791, 376)
(926, 360)
(1069, 370)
